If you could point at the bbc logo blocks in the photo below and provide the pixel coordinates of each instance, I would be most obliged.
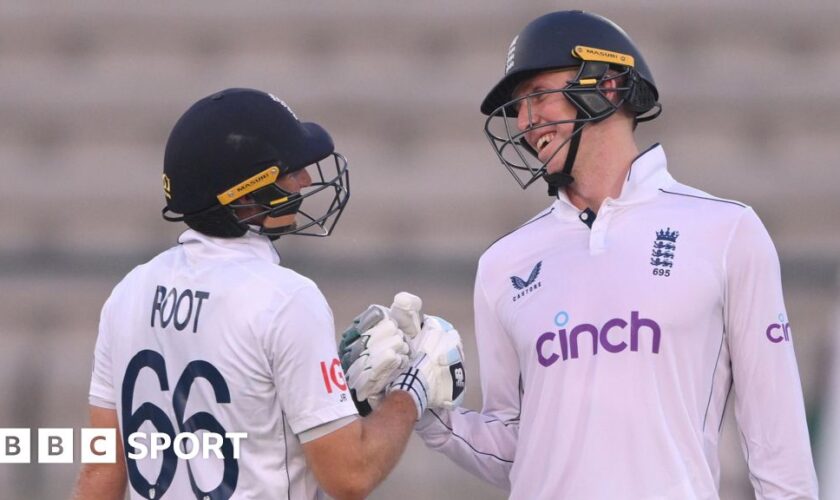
(56, 446)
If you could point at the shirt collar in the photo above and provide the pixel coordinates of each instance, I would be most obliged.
(251, 245)
(648, 173)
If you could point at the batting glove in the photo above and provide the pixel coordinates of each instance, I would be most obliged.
(436, 376)
(372, 350)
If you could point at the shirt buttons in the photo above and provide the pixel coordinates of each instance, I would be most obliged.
(587, 216)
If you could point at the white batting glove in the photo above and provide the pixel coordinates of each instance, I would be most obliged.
(436, 377)
(373, 351)
(406, 312)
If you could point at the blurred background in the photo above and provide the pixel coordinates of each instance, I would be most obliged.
(90, 89)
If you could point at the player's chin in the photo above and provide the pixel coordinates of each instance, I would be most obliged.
(554, 152)
(278, 222)
(555, 163)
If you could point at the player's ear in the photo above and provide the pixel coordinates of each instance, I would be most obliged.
(609, 85)
(246, 211)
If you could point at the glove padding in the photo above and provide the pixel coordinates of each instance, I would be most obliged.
(372, 351)
(436, 377)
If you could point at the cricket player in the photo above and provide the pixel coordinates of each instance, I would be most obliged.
(213, 338)
(614, 326)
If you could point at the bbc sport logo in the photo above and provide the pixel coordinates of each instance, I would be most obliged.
(98, 445)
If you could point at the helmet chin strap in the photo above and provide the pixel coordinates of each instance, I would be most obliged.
(275, 233)
(563, 178)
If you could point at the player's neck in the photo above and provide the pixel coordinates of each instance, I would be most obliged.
(600, 171)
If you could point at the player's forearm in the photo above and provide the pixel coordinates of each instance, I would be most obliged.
(385, 434)
(350, 462)
(101, 482)
(481, 444)
(775, 433)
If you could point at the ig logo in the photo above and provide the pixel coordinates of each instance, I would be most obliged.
(779, 332)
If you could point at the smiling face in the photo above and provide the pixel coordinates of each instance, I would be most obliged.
(546, 116)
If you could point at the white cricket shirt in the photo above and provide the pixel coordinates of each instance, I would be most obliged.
(608, 353)
(213, 334)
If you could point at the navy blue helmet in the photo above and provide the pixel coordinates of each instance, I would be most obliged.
(236, 143)
(600, 51)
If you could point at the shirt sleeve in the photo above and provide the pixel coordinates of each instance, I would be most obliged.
(769, 406)
(483, 443)
(101, 383)
(304, 360)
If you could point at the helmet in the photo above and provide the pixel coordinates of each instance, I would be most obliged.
(237, 143)
(601, 51)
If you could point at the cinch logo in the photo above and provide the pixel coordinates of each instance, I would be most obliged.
(779, 332)
(567, 341)
(526, 286)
